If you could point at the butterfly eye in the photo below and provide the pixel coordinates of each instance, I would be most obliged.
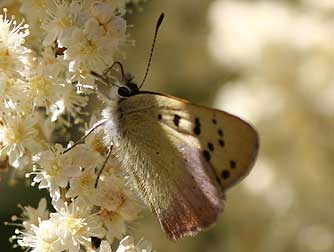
(124, 92)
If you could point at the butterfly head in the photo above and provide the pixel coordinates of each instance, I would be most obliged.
(123, 87)
(129, 88)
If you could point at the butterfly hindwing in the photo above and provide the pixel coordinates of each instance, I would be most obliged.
(178, 155)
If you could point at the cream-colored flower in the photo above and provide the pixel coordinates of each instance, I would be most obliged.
(36, 10)
(11, 95)
(32, 216)
(83, 186)
(114, 196)
(68, 101)
(56, 169)
(18, 135)
(62, 21)
(12, 52)
(42, 238)
(118, 205)
(76, 224)
(115, 225)
(44, 82)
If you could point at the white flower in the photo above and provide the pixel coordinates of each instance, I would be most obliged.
(12, 52)
(69, 101)
(55, 171)
(114, 224)
(18, 135)
(36, 10)
(90, 49)
(11, 95)
(32, 216)
(128, 245)
(114, 196)
(118, 205)
(76, 224)
(90, 34)
(43, 238)
(83, 186)
(43, 86)
(63, 20)
(93, 46)
(95, 140)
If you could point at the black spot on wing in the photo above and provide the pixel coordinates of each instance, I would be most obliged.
(233, 164)
(197, 128)
(211, 146)
(220, 132)
(225, 174)
(206, 155)
(214, 121)
(159, 116)
(176, 120)
(221, 142)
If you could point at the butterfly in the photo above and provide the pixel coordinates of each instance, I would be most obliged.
(181, 157)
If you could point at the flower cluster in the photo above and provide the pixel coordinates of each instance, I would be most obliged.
(71, 228)
(45, 83)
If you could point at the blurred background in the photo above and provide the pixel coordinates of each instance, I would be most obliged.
(272, 64)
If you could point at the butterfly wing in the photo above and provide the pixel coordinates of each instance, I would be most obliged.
(227, 142)
(178, 155)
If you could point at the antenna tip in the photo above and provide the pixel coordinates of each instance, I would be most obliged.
(161, 17)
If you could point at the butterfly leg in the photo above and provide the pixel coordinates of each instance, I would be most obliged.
(91, 130)
(104, 164)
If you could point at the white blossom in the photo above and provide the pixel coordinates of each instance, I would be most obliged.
(44, 86)
(12, 37)
(76, 224)
(32, 216)
(17, 136)
(55, 170)
(83, 185)
(90, 34)
(43, 238)
(35, 11)
(118, 205)
(62, 21)
(11, 95)
(68, 101)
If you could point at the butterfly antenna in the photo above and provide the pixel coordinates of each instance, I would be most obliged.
(162, 15)
(112, 66)
(103, 76)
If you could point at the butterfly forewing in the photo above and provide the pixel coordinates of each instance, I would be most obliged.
(225, 141)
